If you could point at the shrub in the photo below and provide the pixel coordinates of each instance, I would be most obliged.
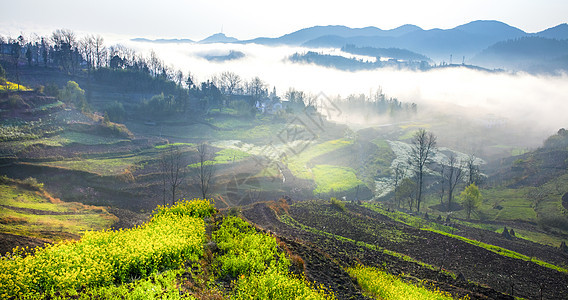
(39, 89)
(32, 183)
(51, 90)
(337, 203)
(243, 108)
(15, 101)
(116, 112)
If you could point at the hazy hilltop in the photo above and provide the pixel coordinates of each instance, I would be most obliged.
(218, 38)
(559, 32)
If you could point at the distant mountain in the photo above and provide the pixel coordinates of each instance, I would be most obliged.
(302, 36)
(218, 38)
(465, 40)
(559, 32)
(163, 41)
(491, 31)
(530, 53)
(215, 38)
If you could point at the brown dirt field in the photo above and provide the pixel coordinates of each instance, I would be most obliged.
(488, 275)
(10, 241)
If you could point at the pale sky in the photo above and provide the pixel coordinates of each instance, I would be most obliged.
(254, 18)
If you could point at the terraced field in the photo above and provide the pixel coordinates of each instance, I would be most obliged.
(330, 239)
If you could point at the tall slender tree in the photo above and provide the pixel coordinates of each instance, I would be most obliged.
(453, 176)
(423, 147)
(205, 169)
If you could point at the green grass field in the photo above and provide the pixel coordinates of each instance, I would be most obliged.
(330, 178)
(515, 205)
(101, 166)
(299, 164)
(26, 212)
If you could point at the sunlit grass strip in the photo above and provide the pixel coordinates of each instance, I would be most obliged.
(230, 155)
(381, 285)
(104, 257)
(501, 251)
(100, 166)
(224, 156)
(261, 271)
(409, 220)
(174, 145)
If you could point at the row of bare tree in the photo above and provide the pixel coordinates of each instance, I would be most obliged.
(453, 173)
(174, 170)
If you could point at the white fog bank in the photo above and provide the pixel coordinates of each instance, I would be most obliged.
(534, 99)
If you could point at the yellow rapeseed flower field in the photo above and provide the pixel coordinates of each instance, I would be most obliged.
(174, 235)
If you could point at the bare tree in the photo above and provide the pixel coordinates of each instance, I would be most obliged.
(86, 48)
(99, 51)
(442, 185)
(472, 170)
(295, 96)
(423, 147)
(155, 64)
(65, 46)
(453, 176)
(229, 83)
(174, 170)
(407, 191)
(205, 169)
(257, 89)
